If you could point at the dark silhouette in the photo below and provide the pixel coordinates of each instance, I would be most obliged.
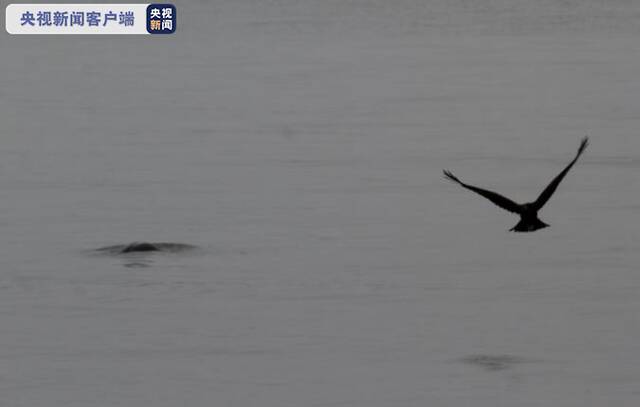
(140, 247)
(146, 247)
(528, 212)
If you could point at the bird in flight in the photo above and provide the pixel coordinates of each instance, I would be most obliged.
(528, 212)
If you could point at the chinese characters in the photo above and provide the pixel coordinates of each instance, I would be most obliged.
(77, 18)
(161, 18)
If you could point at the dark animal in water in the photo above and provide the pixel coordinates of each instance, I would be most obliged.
(528, 212)
(146, 247)
(140, 247)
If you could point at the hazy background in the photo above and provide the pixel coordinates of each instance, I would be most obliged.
(300, 144)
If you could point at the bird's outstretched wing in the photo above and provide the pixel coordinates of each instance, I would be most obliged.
(551, 188)
(501, 201)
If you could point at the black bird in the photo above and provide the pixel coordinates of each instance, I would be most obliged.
(528, 212)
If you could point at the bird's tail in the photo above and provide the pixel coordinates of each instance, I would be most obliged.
(528, 225)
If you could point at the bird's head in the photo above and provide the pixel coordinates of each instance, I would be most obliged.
(528, 207)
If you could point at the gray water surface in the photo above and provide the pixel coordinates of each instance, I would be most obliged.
(299, 145)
